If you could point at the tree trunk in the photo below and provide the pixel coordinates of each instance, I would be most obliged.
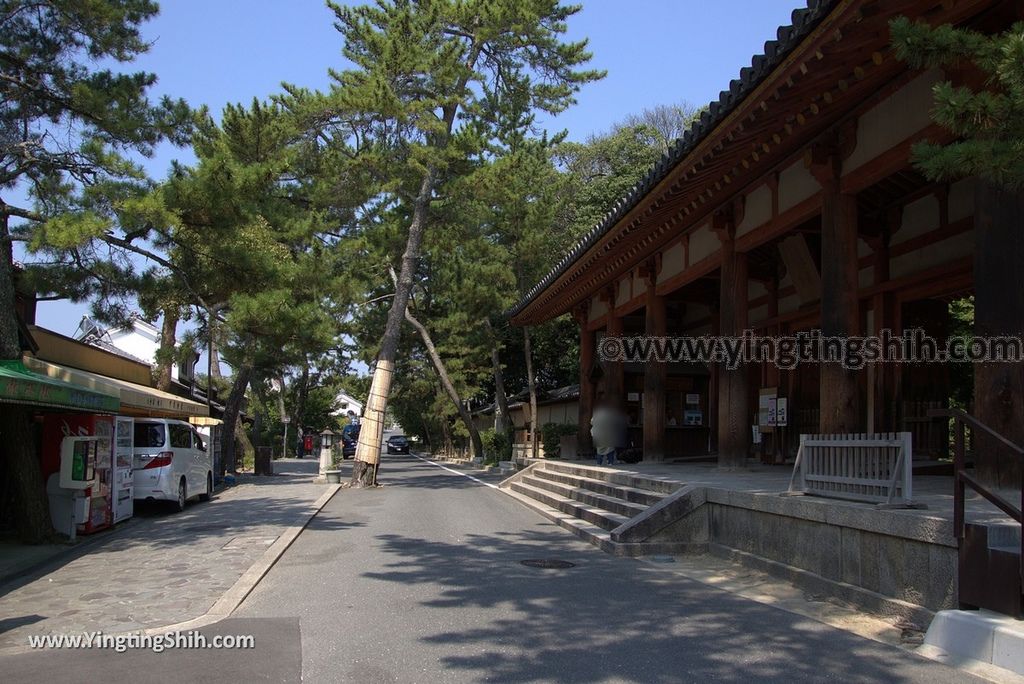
(426, 433)
(300, 399)
(248, 450)
(531, 382)
(447, 448)
(231, 410)
(20, 464)
(283, 413)
(446, 382)
(998, 311)
(213, 359)
(165, 354)
(367, 458)
(258, 389)
(502, 421)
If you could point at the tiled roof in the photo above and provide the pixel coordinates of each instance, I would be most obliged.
(775, 51)
(95, 341)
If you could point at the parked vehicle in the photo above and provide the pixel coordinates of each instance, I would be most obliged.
(398, 444)
(171, 462)
(349, 439)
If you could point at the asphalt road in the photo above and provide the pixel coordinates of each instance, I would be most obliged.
(421, 581)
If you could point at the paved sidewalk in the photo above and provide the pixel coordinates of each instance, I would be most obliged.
(162, 568)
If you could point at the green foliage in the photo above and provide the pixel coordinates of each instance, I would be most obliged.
(989, 123)
(66, 126)
(551, 436)
(961, 375)
(436, 92)
(497, 446)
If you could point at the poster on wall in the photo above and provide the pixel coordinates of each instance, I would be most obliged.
(781, 412)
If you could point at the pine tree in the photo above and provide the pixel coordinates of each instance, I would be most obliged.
(64, 124)
(427, 88)
(987, 124)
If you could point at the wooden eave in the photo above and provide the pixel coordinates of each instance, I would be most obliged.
(839, 69)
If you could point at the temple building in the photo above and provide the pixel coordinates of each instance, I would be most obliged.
(791, 206)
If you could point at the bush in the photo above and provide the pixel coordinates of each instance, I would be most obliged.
(497, 446)
(551, 438)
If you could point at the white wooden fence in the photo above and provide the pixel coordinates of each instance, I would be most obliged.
(861, 467)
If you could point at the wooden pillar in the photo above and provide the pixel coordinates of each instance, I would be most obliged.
(733, 385)
(614, 371)
(839, 399)
(713, 388)
(880, 399)
(584, 442)
(655, 372)
(998, 311)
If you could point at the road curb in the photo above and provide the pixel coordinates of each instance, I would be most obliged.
(234, 596)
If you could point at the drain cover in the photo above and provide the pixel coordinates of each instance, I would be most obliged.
(548, 563)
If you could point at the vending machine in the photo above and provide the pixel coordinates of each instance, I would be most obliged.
(88, 439)
(123, 477)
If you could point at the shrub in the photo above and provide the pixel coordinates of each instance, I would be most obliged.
(551, 438)
(497, 446)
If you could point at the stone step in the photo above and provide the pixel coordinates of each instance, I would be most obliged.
(591, 514)
(584, 495)
(601, 538)
(626, 493)
(615, 476)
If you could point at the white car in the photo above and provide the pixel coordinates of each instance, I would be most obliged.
(171, 462)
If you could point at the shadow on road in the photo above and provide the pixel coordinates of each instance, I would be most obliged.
(616, 618)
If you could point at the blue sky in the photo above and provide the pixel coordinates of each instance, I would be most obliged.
(214, 52)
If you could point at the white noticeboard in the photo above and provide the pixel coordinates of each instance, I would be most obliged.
(781, 411)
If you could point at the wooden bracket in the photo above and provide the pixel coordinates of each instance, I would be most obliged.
(824, 157)
(773, 187)
(650, 269)
(723, 223)
(581, 313)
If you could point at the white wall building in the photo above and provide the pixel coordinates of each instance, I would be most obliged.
(138, 340)
(348, 406)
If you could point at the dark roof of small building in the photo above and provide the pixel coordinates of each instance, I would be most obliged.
(775, 51)
(552, 396)
(96, 341)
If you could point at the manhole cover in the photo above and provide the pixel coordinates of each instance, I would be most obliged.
(548, 563)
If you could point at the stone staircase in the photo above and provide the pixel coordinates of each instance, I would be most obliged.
(595, 503)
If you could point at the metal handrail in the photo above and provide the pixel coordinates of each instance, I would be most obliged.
(966, 417)
(962, 477)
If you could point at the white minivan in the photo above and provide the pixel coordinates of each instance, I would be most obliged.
(171, 462)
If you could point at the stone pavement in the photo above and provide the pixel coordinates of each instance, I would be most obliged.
(160, 568)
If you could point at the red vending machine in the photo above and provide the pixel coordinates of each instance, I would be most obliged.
(98, 495)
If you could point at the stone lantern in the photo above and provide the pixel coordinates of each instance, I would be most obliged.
(326, 450)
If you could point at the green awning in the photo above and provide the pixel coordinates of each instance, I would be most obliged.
(18, 385)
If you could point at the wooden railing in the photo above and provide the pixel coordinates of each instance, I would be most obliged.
(862, 467)
(963, 479)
